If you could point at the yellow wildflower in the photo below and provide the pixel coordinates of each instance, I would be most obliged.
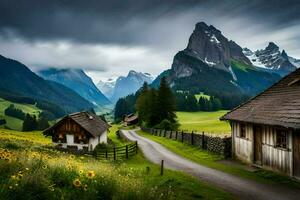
(44, 166)
(80, 171)
(77, 183)
(91, 174)
(27, 169)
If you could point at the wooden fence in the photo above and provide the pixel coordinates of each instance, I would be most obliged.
(117, 153)
(213, 143)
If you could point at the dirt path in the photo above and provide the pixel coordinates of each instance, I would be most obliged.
(240, 187)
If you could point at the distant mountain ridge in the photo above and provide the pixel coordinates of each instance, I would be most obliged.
(19, 82)
(273, 59)
(78, 81)
(107, 87)
(124, 86)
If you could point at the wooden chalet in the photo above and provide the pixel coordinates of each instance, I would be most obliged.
(266, 129)
(131, 119)
(79, 131)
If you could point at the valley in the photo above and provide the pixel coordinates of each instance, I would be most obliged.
(149, 100)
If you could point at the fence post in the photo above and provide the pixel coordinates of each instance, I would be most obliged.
(106, 154)
(192, 138)
(136, 147)
(176, 135)
(203, 140)
(181, 136)
(114, 153)
(162, 168)
(170, 136)
(127, 151)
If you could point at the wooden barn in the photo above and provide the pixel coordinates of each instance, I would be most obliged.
(79, 131)
(131, 119)
(266, 129)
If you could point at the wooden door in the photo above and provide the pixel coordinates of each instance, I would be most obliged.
(257, 133)
(296, 153)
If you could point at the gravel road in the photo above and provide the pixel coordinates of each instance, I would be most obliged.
(239, 187)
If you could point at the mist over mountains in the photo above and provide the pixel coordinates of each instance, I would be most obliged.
(124, 85)
(77, 80)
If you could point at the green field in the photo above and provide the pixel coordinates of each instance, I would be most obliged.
(14, 123)
(203, 121)
(31, 169)
(202, 95)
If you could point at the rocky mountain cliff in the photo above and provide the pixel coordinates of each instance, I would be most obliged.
(129, 84)
(216, 66)
(78, 81)
(272, 58)
(209, 45)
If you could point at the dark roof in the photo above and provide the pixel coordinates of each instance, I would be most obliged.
(278, 105)
(88, 121)
(131, 118)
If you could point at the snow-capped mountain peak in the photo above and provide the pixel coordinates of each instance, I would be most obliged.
(124, 85)
(272, 58)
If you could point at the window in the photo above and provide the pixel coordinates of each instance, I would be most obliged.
(281, 138)
(242, 130)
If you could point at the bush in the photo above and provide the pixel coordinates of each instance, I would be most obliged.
(14, 112)
(167, 125)
(2, 122)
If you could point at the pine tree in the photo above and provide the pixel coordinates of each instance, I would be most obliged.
(191, 103)
(29, 123)
(120, 109)
(166, 102)
(42, 123)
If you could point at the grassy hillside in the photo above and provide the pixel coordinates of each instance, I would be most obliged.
(203, 121)
(14, 123)
(31, 169)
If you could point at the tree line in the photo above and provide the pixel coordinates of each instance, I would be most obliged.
(30, 122)
(188, 102)
(155, 107)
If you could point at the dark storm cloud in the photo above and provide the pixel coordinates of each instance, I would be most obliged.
(127, 21)
(109, 38)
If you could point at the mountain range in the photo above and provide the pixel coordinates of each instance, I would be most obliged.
(78, 81)
(217, 66)
(124, 85)
(19, 84)
(271, 58)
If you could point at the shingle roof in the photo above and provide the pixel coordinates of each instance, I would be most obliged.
(88, 121)
(131, 118)
(279, 105)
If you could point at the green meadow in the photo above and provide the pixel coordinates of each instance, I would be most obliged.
(30, 168)
(14, 123)
(203, 121)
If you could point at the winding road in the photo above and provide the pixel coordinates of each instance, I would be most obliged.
(239, 187)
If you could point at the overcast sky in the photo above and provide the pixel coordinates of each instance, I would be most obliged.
(108, 38)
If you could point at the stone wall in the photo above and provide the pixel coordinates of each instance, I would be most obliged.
(215, 144)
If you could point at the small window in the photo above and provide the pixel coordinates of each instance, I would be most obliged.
(281, 138)
(242, 130)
